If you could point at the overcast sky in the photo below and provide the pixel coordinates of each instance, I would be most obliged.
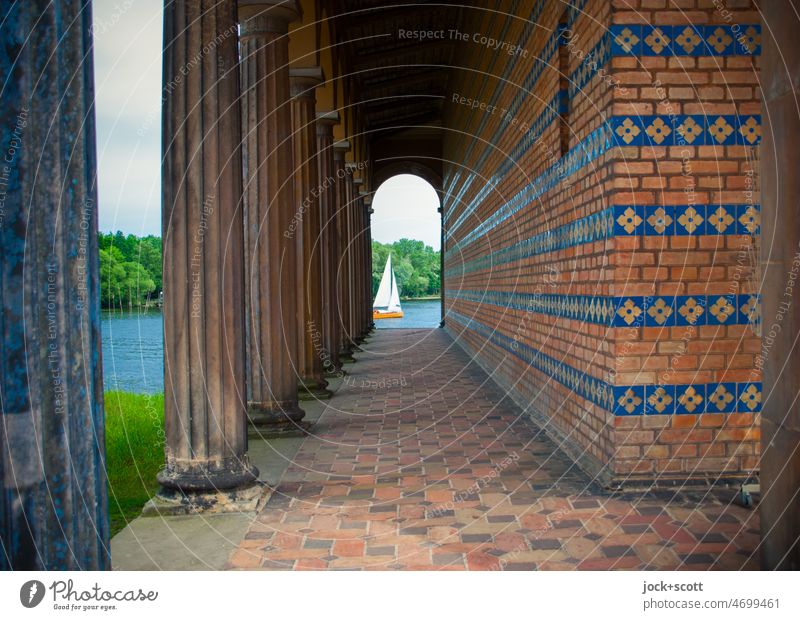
(127, 56)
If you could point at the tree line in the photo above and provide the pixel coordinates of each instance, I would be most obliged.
(130, 269)
(416, 267)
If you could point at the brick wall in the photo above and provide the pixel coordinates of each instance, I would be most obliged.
(610, 287)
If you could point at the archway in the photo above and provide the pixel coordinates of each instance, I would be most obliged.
(406, 224)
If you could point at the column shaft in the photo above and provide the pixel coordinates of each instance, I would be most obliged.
(308, 242)
(343, 197)
(271, 219)
(53, 506)
(204, 364)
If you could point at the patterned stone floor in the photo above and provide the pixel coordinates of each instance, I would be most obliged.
(421, 462)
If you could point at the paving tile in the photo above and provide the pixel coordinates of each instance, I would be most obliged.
(412, 479)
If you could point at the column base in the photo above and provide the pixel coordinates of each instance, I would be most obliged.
(268, 420)
(346, 357)
(335, 373)
(313, 389)
(172, 502)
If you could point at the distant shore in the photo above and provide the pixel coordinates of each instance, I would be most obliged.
(423, 298)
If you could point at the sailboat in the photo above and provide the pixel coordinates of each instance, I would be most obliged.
(387, 301)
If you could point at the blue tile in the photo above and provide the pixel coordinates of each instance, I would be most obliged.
(749, 309)
(659, 311)
(690, 399)
(626, 39)
(721, 219)
(628, 312)
(719, 39)
(749, 398)
(748, 129)
(748, 39)
(628, 131)
(656, 40)
(748, 220)
(722, 310)
(690, 220)
(721, 130)
(628, 220)
(659, 220)
(660, 400)
(690, 130)
(628, 400)
(658, 131)
(690, 310)
(721, 397)
(689, 40)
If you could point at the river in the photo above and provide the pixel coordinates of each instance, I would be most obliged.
(133, 344)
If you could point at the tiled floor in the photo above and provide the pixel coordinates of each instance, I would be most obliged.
(420, 462)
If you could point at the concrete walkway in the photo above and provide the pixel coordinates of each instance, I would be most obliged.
(421, 462)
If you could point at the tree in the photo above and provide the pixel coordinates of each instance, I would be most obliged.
(416, 267)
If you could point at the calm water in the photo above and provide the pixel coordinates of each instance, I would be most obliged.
(416, 314)
(133, 344)
(133, 351)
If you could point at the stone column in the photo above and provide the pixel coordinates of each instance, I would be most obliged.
(309, 251)
(370, 320)
(54, 513)
(780, 239)
(330, 242)
(441, 264)
(204, 362)
(272, 220)
(343, 196)
(367, 275)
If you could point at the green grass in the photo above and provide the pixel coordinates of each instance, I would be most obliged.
(134, 452)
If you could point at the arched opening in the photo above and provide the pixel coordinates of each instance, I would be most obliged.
(406, 226)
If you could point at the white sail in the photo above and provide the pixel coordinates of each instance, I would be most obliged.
(385, 289)
(394, 297)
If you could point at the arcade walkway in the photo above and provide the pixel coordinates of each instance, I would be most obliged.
(419, 462)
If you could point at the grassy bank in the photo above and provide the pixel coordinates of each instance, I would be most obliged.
(134, 452)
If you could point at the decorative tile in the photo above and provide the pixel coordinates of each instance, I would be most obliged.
(690, 130)
(689, 40)
(659, 312)
(749, 309)
(749, 398)
(659, 220)
(721, 130)
(657, 40)
(721, 397)
(629, 400)
(748, 130)
(660, 399)
(722, 310)
(628, 220)
(657, 130)
(629, 312)
(748, 40)
(626, 39)
(719, 39)
(721, 219)
(690, 310)
(748, 220)
(689, 399)
(628, 130)
(690, 220)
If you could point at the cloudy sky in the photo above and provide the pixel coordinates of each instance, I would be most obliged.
(128, 85)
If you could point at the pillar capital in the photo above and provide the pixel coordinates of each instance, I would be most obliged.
(303, 81)
(330, 118)
(267, 16)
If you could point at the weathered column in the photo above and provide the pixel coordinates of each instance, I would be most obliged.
(780, 193)
(441, 262)
(344, 193)
(303, 81)
(330, 243)
(204, 362)
(272, 220)
(367, 273)
(53, 506)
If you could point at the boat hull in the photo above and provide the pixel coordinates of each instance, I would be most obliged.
(377, 314)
